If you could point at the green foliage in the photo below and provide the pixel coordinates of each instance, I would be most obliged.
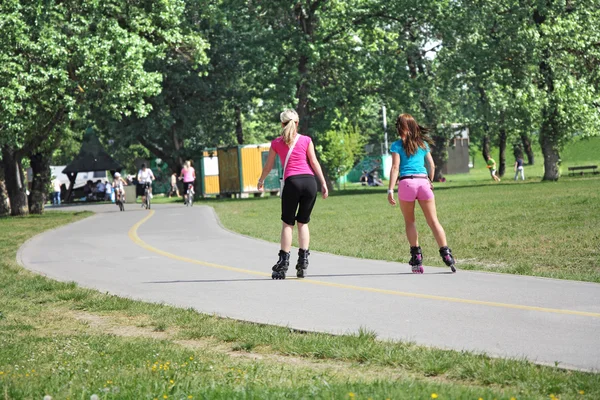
(340, 149)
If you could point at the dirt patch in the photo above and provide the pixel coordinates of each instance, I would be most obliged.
(124, 326)
(116, 327)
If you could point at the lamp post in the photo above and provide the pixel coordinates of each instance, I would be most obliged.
(385, 135)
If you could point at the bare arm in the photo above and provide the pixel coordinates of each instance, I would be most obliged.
(266, 169)
(394, 170)
(314, 163)
(430, 165)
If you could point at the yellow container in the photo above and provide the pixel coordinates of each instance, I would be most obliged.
(241, 166)
(210, 172)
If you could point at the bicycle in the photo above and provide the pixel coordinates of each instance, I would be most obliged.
(147, 194)
(120, 199)
(190, 196)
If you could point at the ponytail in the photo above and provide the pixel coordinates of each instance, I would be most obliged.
(289, 118)
(412, 134)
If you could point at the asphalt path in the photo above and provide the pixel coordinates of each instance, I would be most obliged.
(184, 257)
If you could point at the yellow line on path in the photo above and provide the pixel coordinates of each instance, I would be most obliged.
(136, 239)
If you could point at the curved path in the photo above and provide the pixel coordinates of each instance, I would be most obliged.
(182, 256)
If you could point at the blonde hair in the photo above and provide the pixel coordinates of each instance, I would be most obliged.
(187, 164)
(289, 117)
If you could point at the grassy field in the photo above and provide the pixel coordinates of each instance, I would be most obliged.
(70, 343)
(532, 228)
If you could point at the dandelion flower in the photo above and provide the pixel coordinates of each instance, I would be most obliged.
(190, 397)
(434, 396)
(171, 381)
(191, 358)
(351, 395)
(581, 392)
(165, 396)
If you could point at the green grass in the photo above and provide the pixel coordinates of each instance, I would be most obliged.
(69, 342)
(532, 228)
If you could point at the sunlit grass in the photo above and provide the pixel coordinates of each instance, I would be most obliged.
(70, 343)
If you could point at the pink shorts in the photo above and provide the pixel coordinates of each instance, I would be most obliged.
(414, 189)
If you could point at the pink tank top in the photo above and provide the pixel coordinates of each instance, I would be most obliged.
(298, 163)
(188, 174)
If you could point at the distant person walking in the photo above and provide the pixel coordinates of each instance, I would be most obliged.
(56, 191)
(491, 164)
(519, 168)
(188, 175)
(174, 189)
(411, 158)
(300, 165)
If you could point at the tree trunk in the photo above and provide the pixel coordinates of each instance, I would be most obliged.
(40, 166)
(485, 147)
(439, 153)
(502, 155)
(549, 130)
(15, 186)
(302, 95)
(239, 132)
(551, 157)
(4, 204)
(527, 148)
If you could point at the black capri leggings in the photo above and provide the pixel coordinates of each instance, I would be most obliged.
(299, 193)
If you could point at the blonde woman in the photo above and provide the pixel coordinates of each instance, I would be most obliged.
(299, 191)
(188, 174)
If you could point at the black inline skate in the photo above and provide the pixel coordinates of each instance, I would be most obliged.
(282, 265)
(447, 257)
(302, 263)
(416, 260)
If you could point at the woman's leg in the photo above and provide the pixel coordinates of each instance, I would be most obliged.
(303, 236)
(408, 211)
(286, 237)
(428, 207)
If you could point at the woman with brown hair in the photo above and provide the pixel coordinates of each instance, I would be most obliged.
(412, 162)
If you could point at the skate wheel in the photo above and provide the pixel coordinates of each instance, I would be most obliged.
(452, 268)
(417, 270)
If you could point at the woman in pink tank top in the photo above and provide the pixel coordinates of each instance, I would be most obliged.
(188, 174)
(299, 191)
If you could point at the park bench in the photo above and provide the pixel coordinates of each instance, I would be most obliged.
(582, 169)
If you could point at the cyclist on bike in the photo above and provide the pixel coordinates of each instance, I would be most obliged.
(118, 183)
(188, 174)
(144, 178)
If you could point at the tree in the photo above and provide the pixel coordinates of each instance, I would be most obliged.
(62, 60)
(530, 64)
(567, 44)
(340, 148)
